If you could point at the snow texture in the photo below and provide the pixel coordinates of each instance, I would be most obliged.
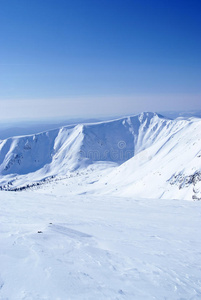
(56, 245)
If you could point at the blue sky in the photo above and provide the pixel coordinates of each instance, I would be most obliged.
(98, 57)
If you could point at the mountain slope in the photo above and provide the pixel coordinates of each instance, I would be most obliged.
(170, 168)
(73, 146)
(155, 156)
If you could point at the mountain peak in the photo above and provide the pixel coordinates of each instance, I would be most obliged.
(126, 141)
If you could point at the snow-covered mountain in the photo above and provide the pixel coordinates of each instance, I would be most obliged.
(71, 147)
(170, 168)
(155, 156)
(82, 227)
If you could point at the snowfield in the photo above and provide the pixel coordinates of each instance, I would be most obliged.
(99, 211)
(65, 246)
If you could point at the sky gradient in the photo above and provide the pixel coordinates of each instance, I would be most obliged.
(85, 58)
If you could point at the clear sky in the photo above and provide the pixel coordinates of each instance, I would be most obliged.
(97, 57)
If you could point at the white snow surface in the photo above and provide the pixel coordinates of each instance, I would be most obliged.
(59, 245)
(94, 222)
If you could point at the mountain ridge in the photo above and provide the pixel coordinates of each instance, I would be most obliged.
(129, 142)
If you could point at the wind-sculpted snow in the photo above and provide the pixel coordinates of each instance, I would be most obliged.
(59, 246)
(148, 150)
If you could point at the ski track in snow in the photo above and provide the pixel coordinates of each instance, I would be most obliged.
(86, 247)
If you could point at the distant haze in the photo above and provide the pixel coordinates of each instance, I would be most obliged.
(75, 58)
(95, 107)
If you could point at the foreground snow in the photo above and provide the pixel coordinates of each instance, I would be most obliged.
(57, 245)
